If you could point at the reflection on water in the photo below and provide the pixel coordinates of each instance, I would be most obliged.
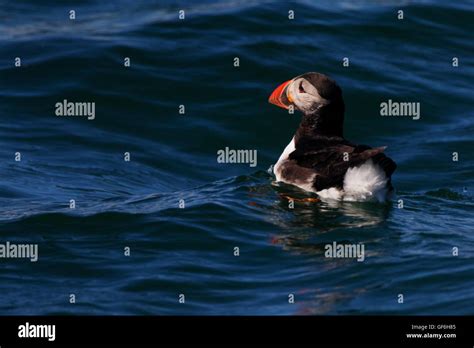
(307, 227)
(326, 215)
(323, 301)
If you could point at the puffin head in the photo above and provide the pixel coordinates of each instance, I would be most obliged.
(308, 93)
(317, 96)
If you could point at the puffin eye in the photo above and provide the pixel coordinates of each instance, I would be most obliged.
(300, 88)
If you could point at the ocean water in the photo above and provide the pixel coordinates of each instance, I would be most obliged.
(190, 250)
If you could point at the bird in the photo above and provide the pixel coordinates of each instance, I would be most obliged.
(318, 158)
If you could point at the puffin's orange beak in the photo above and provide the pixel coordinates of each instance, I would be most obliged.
(279, 96)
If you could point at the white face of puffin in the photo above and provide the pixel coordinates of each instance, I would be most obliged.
(304, 95)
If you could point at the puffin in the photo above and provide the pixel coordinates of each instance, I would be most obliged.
(318, 158)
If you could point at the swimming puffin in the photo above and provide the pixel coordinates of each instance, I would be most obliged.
(318, 158)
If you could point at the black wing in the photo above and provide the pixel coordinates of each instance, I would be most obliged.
(331, 158)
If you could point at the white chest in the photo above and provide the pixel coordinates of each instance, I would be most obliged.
(283, 157)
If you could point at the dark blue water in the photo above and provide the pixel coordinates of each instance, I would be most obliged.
(190, 250)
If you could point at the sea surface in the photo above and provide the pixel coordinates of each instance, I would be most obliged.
(180, 212)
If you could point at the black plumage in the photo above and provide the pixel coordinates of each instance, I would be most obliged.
(330, 157)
